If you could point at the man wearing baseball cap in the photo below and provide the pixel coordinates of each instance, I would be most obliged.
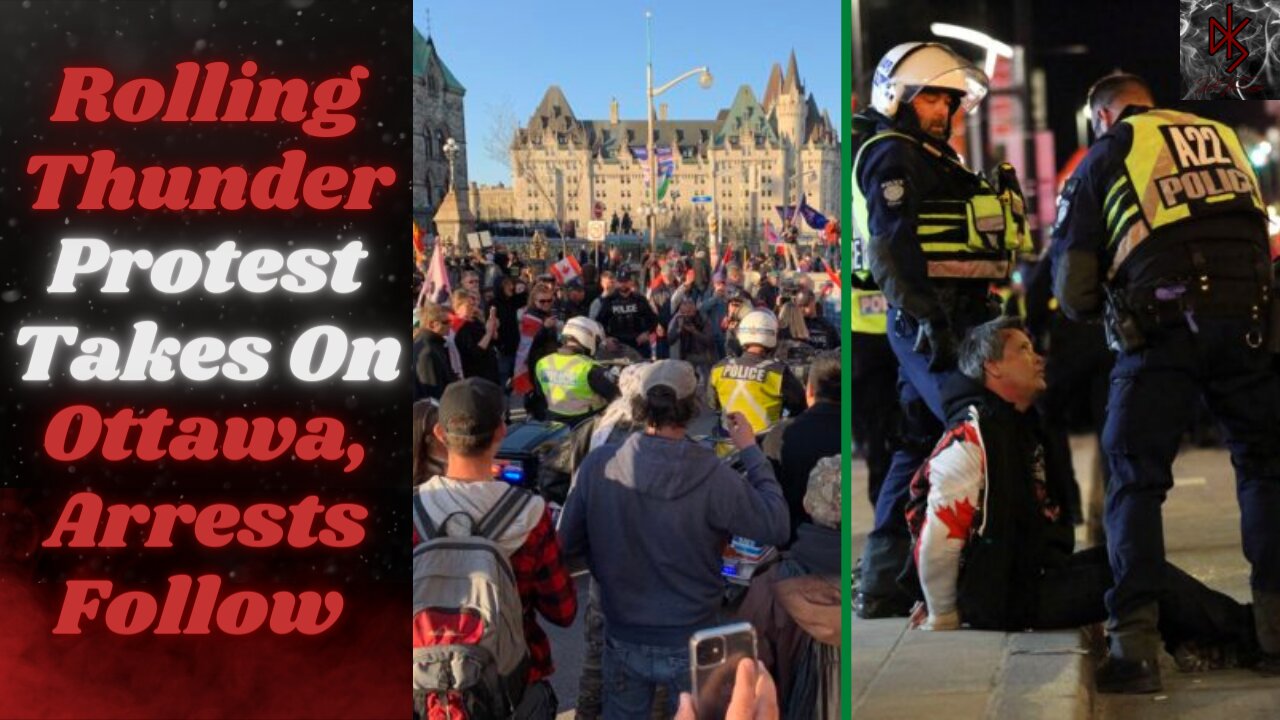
(651, 514)
(471, 427)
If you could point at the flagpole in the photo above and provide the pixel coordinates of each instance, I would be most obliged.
(652, 159)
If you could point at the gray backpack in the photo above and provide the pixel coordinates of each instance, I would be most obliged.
(469, 651)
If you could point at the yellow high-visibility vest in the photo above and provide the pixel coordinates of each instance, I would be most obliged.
(870, 312)
(1179, 167)
(753, 390)
(564, 381)
(973, 237)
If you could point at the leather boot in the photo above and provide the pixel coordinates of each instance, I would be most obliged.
(1266, 621)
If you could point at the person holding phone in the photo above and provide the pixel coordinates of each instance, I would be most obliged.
(650, 515)
(755, 696)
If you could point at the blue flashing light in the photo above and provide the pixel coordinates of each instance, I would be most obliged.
(513, 474)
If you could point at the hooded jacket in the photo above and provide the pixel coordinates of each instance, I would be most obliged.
(651, 515)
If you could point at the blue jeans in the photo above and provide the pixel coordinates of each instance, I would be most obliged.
(632, 672)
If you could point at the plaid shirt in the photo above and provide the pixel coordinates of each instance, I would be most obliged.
(545, 588)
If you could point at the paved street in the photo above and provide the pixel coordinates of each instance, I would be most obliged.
(899, 673)
(567, 646)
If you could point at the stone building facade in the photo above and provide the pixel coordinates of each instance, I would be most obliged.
(753, 156)
(492, 203)
(437, 116)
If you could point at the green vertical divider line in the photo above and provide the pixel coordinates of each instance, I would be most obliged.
(846, 362)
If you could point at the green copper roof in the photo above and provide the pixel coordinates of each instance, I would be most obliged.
(746, 119)
(424, 48)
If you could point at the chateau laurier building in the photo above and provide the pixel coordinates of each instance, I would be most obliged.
(755, 155)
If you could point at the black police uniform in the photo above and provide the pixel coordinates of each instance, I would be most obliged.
(625, 318)
(1161, 230)
(873, 379)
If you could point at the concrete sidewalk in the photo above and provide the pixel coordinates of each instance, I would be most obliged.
(1202, 536)
(899, 673)
(902, 673)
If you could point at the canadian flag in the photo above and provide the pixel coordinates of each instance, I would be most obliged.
(566, 270)
(522, 381)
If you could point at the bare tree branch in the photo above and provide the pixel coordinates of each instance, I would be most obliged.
(499, 146)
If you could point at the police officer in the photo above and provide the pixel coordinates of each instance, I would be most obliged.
(575, 387)
(1161, 231)
(936, 235)
(627, 316)
(873, 376)
(755, 383)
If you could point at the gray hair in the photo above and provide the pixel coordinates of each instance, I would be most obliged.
(985, 343)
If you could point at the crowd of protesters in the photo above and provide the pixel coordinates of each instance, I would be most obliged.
(691, 308)
(651, 508)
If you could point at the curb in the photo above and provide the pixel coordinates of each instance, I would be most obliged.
(1044, 675)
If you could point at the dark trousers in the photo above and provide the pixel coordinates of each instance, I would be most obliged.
(920, 395)
(1152, 400)
(1077, 368)
(876, 415)
(1072, 595)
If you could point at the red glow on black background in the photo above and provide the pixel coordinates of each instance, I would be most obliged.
(358, 668)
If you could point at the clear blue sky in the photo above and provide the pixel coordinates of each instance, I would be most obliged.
(506, 53)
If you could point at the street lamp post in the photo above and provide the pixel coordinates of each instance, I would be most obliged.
(704, 80)
(450, 149)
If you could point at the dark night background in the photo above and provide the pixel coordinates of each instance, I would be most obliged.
(1140, 36)
(357, 668)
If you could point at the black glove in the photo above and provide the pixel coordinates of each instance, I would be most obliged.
(937, 340)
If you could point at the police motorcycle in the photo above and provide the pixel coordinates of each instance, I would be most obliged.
(797, 355)
(538, 455)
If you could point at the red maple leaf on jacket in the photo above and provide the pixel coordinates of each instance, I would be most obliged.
(958, 517)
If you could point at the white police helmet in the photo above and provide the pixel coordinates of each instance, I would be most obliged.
(586, 332)
(759, 327)
(911, 67)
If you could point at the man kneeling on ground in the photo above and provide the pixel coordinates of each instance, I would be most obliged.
(993, 546)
